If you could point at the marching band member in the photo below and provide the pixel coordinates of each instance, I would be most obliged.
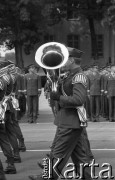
(9, 124)
(4, 139)
(72, 93)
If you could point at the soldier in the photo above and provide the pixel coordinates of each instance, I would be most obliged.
(71, 95)
(9, 123)
(4, 140)
(88, 73)
(19, 93)
(95, 93)
(33, 90)
(110, 92)
(16, 126)
(2, 174)
(104, 100)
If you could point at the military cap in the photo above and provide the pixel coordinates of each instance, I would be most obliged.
(31, 66)
(73, 52)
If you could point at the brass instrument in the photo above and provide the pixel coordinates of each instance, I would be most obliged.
(52, 56)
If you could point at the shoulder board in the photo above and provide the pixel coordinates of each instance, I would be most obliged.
(80, 78)
(1, 85)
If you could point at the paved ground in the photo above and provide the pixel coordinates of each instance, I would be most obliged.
(38, 138)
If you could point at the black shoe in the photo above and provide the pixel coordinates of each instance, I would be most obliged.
(30, 120)
(22, 147)
(34, 120)
(17, 158)
(2, 177)
(35, 177)
(40, 165)
(10, 169)
(94, 120)
(111, 120)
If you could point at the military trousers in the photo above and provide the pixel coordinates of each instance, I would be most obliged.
(87, 106)
(95, 106)
(5, 144)
(111, 108)
(22, 105)
(68, 144)
(17, 129)
(84, 137)
(2, 174)
(10, 130)
(32, 102)
(106, 107)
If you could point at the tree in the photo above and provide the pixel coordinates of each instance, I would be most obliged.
(20, 24)
(91, 10)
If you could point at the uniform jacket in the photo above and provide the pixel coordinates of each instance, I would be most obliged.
(19, 84)
(3, 87)
(94, 84)
(32, 84)
(73, 90)
(9, 90)
(110, 85)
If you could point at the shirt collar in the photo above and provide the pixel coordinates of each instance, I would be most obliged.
(76, 70)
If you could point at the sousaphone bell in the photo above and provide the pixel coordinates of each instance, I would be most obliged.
(52, 56)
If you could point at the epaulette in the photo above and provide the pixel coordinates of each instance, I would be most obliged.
(80, 78)
(1, 85)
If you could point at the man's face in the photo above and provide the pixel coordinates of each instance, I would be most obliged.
(95, 69)
(68, 65)
(32, 69)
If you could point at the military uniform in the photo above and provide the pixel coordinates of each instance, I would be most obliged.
(95, 94)
(87, 104)
(19, 92)
(104, 99)
(33, 89)
(16, 126)
(4, 139)
(110, 92)
(68, 141)
(9, 123)
(69, 132)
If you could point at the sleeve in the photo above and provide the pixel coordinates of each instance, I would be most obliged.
(25, 84)
(1, 85)
(102, 83)
(39, 83)
(77, 99)
(88, 84)
(79, 94)
(105, 84)
(15, 87)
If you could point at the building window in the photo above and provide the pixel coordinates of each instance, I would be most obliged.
(99, 39)
(73, 41)
(48, 38)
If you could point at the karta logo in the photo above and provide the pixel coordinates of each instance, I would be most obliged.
(52, 169)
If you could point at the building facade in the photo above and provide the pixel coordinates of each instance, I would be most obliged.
(74, 34)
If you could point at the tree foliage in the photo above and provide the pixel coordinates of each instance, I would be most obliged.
(20, 24)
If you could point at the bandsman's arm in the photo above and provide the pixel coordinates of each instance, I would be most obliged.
(88, 86)
(79, 93)
(39, 85)
(25, 84)
(102, 84)
(106, 84)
